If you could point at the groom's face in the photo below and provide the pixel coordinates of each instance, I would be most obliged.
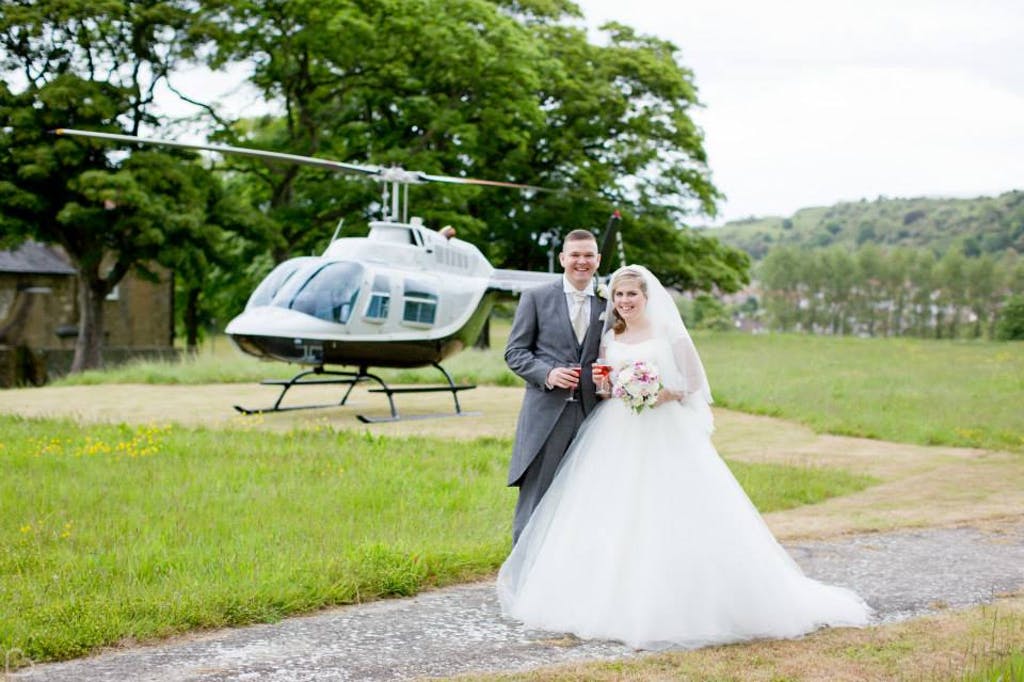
(579, 259)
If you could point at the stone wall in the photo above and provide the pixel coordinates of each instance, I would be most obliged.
(140, 313)
(138, 322)
(21, 366)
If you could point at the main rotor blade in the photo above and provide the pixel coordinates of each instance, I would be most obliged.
(476, 181)
(386, 174)
(258, 153)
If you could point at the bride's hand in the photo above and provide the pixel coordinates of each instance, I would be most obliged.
(666, 396)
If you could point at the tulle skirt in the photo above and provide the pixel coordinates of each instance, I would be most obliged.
(646, 537)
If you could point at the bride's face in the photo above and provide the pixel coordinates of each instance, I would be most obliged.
(630, 301)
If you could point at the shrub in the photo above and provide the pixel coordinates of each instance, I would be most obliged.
(1011, 321)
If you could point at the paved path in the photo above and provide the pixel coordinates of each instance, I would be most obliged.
(460, 629)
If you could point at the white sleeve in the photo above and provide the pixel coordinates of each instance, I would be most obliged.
(691, 370)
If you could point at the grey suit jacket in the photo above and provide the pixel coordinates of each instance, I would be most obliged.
(541, 338)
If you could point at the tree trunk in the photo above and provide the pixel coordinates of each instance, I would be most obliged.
(89, 344)
(192, 320)
(483, 342)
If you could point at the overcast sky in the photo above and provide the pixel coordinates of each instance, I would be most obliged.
(810, 102)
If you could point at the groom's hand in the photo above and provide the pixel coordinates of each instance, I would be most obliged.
(562, 377)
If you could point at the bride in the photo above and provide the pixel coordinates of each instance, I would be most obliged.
(645, 536)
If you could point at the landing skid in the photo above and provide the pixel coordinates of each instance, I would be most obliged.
(323, 376)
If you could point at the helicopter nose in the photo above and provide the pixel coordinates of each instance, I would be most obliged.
(274, 321)
(279, 333)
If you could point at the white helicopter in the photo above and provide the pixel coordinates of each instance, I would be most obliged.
(403, 296)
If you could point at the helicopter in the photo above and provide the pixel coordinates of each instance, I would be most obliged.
(403, 296)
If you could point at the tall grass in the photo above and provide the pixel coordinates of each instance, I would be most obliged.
(111, 532)
(994, 668)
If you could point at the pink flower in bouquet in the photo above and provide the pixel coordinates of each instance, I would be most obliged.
(638, 384)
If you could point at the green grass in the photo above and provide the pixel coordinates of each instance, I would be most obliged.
(774, 487)
(111, 532)
(906, 390)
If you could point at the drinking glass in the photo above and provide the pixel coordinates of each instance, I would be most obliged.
(604, 370)
(577, 368)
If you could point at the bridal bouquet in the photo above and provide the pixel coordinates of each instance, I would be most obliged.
(638, 385)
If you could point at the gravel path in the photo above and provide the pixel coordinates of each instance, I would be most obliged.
(460, 629)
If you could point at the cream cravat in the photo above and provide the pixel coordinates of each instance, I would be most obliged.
(579, 322)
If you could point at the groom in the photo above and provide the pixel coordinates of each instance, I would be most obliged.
(555, 325)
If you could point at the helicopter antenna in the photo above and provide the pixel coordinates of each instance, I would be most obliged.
(337, 231)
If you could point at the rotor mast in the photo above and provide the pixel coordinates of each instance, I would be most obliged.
(395, 200)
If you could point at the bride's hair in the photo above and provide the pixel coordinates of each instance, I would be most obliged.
(619, 325)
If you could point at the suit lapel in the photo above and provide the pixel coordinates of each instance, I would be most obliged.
(597, 306)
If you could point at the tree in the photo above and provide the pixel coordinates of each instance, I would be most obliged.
(952, 280)
(443, 87)
(95, 66)
(1011, 322)
(982, 291)
(508, 91)
(779, 274)
(214, 268)
(109, 217)
(869, 288)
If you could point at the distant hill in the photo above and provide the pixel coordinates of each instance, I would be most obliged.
(975, 226)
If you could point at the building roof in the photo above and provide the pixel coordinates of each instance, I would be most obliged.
(35, 258)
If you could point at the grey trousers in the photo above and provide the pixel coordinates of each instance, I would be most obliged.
(538, 476)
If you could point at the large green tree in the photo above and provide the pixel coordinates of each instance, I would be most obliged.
(96, 65)
(504, 91)
(109, 215)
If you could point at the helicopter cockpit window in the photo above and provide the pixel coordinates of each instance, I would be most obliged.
(330, 293)
(273, 282)
(380, 299)
(420, 302)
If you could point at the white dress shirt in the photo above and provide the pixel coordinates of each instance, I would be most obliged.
(570, 298)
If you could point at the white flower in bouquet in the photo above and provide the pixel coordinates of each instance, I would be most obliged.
(638, 384)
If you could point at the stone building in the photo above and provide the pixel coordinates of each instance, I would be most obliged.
(39, 315)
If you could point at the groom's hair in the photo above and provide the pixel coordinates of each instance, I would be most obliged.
(579, 236)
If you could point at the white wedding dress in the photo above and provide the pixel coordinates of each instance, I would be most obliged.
(645, 537)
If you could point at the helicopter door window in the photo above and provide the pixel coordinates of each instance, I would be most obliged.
(380, 300)
(330, 293)
(420, 303)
